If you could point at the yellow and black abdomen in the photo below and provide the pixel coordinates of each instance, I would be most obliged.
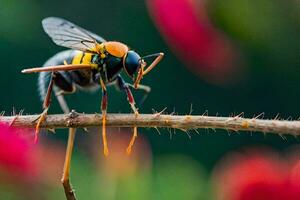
(82, 78)
(67, 81)
(82, 58)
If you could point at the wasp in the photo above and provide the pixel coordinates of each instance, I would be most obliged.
(91, 63)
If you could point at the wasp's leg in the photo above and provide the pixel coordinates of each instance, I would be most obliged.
(104, 111)
(146, 89)
(63, 86)
(62, 92)
(158, 58)
(46, 105)
(124, 86)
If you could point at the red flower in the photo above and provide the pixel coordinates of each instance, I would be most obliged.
(188, 31)
(17, 155)
(257, 175)
(23, 161)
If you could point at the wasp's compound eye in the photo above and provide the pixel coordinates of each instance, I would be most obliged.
(132, 63)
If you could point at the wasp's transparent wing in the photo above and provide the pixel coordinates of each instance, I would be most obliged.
(67, 34)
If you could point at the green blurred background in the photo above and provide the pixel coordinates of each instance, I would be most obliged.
(265, 32)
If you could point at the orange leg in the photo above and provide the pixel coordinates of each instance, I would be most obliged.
(132, 140)
(125, 87)
(104, 110)
(135, 110)
(46, 106)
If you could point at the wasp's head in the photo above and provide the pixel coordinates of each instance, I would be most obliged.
(133, 65)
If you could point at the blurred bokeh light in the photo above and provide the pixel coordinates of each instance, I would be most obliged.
(257, 174)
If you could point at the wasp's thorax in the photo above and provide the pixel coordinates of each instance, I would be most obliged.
(108, 66)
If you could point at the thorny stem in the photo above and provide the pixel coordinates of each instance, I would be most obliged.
(182, 122)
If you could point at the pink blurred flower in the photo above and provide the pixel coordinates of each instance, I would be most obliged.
(188, 31)
(17, 155)
(257, 175)
(22, 160)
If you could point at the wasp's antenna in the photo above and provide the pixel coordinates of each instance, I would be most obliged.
(151, 55)
(158, 58)
(143, 71)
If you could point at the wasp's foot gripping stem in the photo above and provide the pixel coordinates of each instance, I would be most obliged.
(46, 106)
(41, 119)
(135, 110)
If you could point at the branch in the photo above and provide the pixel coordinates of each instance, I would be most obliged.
(183, 122)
